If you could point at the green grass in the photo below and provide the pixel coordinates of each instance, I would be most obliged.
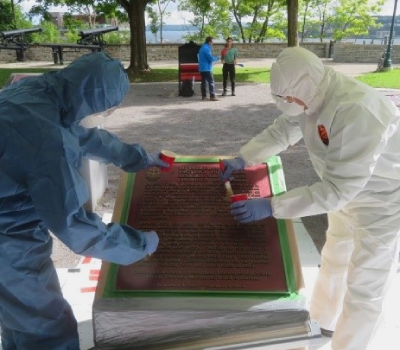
(6, 72)
(243, 75)
(389, 79)
(158, 75)
(247, 75)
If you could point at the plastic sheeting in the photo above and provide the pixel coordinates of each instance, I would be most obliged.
(167, 323)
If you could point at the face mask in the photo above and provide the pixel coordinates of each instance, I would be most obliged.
(289, 108)
(94, 120)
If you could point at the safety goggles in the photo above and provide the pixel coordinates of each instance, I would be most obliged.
(109, 111)
(97, 119)
(284, 99)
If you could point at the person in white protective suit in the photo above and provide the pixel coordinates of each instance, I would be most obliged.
(352, 134)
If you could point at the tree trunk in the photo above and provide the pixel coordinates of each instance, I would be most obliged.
(254, 23)
(136, 13)
(13, 14)
(292, 11)
(303, 25)
(238, 21)
(161, 29)
(263, 30)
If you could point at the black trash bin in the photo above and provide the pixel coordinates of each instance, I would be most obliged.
(188, 68)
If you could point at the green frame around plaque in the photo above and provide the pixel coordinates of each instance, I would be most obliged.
(278, 186)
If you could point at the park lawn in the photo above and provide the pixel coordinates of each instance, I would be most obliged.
(6, 72)
(243, 75)
(388, 80)
(246, 75)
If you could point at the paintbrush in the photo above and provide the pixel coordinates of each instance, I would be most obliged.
(227, 183)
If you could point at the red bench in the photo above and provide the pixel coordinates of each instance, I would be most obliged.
(188, 67)
(188, 71)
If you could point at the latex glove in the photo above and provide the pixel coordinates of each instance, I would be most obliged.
(151, 242)
(153, 159)
(231, 165)
(251, 210)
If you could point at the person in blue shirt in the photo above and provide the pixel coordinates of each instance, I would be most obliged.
(206, 62)
(42, 142)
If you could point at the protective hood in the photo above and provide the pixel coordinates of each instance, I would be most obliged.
(91, 84)
(299, 73)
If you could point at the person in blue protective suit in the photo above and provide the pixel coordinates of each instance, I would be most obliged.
(352, 135)
(206, 62)
(42, 143)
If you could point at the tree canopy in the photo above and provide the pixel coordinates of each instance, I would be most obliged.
(245, 20)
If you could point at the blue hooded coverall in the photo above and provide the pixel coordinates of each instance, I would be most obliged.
(41, 190)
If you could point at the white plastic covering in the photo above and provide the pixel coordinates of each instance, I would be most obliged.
(169, 323)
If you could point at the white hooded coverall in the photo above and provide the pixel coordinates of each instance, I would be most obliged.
(358, 163)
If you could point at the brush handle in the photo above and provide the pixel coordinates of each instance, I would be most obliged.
(227, 183)
(228, 187)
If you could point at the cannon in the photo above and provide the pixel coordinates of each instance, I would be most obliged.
(91, 39)
(94, 36)
(15, 40)
(18, 35)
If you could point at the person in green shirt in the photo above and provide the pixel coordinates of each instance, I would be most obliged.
(228, 58)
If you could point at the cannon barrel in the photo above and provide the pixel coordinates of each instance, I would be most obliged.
(96, 31)
(19, 32)
(94, 36)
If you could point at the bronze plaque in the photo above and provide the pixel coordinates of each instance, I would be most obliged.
(201, 247)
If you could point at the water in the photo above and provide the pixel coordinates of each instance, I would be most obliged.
(177, 36)
(169, 36)
(176, 33)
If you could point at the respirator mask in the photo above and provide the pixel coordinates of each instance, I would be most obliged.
(289, 108)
